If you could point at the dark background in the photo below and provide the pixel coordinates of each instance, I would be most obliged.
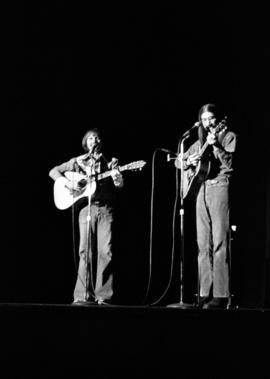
(140, 74)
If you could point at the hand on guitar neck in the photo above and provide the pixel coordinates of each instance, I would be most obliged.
(73, 186)
(212, 138)
(198, 164)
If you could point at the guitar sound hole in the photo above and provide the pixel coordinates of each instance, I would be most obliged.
(82, 183)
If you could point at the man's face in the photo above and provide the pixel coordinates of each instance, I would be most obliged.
(92, 140)
(208, 120)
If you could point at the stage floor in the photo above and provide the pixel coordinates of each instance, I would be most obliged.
(53, 340)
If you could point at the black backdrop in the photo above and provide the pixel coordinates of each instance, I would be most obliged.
(140, 74)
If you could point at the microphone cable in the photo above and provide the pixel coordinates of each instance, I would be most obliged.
(151, 233)
(74, 238)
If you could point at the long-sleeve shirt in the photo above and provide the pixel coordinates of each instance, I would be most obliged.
(220, 158)
(106, 191)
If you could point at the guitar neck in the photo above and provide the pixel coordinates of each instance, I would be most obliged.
(108, 173)
(204, 147)
(216, 129)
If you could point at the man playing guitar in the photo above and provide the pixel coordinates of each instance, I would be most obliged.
(208, 168)
(95, 214)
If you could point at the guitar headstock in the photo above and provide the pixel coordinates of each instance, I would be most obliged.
(138, 165)
(221, 127)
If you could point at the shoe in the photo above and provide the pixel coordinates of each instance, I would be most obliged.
(181, 305)
(83, 302)
(217, 303)
(203, 300)
(103, 302)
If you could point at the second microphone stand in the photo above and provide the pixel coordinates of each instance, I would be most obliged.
(88, 257)
(181, 303)
(89, 286)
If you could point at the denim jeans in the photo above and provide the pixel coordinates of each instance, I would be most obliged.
(213, 233)
(98, 273)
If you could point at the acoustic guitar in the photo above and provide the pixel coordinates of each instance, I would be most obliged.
(194, 176)
(65, 198)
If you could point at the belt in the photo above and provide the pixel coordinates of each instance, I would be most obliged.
(215, 181)
(212, 181)
(99, 203)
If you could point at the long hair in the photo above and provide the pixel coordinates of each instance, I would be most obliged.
(99, 139)
(210, 107)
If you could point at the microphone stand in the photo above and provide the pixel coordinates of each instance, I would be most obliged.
(88, 257)
(231, 238)
(88, 244)
(181, 303)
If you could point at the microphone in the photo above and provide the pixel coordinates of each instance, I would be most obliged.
(195, 126)
(169, 153)
(94, 147)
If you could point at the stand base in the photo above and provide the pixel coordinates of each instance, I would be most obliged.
(84, 303)
(181, 305)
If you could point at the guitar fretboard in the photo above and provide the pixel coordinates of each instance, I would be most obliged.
(217, 129)
(108, 173)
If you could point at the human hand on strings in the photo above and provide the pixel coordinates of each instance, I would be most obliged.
(193, 159)
(73, 185)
